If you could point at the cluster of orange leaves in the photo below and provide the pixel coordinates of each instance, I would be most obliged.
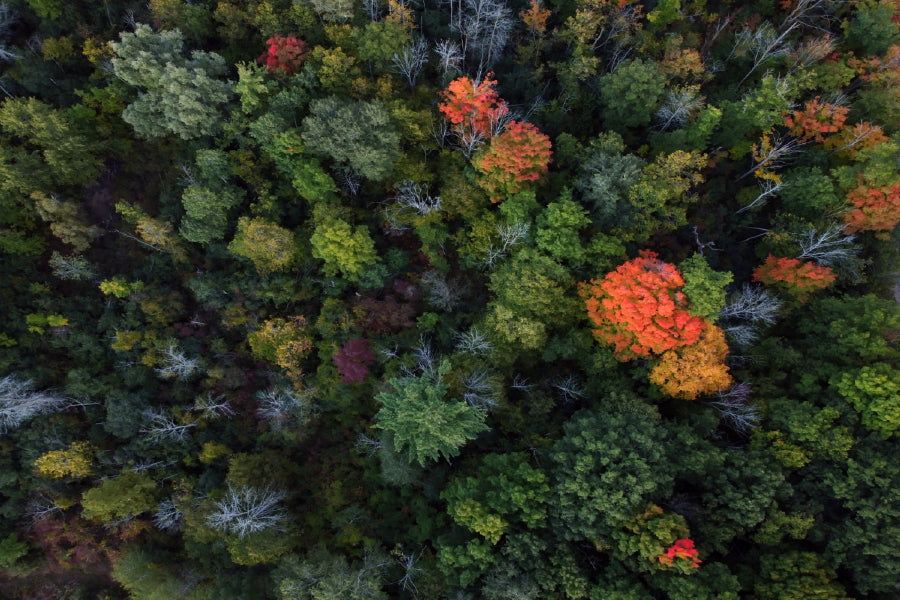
(640, 310)
(798, 278)
(696, 369)
(681, 550)
(877, 209)
(472, 109)
(535, 17)
(816, 120)
(516, 157)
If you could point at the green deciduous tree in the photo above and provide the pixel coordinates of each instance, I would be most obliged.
(605, 467)
(631, 94)
(355, 134)
(558, 230)
(704, 287)
(206, 212)
(127, 495)
(874, 391)
(177, 94)
(423, 422)
(346, 250)
(324, 576)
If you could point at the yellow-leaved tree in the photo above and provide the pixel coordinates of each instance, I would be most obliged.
(75, 461)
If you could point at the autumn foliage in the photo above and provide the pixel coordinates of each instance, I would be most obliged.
(285, 54)
(875, 209)
(515, 158)
(816, 120)
(694, 370)
(798, 278)
(473, 110)
(640, 309)
(535, 18)
(682, 551)
(353, 360)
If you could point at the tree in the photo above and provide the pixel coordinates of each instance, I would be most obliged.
(73, 462)
(424, 424)
(355, 134)
(605, 178)
(797, 278)
(323, 576)
(474, 110)
(513, 161)
(507, 492)
(353, 360)
(605, 467)
(698, 369)
(20, 402)
(179, 95)
(285, 54)
(875, 209)
(271, 248)
(640, 308)
(659, 197)
(797, 575)
(558, 230)
(704, 287)
(122, 497)
(284, 342)
(246, 510)
(346, 250)
(873, 392)
(631, 94)
(816, 120)
(206, 212)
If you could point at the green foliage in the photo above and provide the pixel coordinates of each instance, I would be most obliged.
(605, 467)
(356, 135)
(422, 422)
(206, 212)
(796, 575)
(558, 230)
(346, 250)
(178, 95)
(871, 30)
(873, 391)
(507, 490)
(630, 95)
(11, 550)
(324, 576)
(127, 495)
(704, 287)
(856, 328)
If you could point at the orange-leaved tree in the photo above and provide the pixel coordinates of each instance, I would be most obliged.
(513, 161)
(694, 370)
(640, 309)
(816, 120)
(876, 209)
(474, 110)
(796, 277)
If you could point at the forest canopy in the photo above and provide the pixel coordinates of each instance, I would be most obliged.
(500, 299)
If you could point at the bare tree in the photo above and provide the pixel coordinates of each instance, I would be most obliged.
(367, 446)
(450, 57)
(569, 388)
(281, 407)
(246, 510)
(520, 382)
(679, 107)
(213, 407)
(772, 152)
(753, 304)
(71, 268)
(415, 196)
(176, 364)
(760, 44)
(473, 342)
(768, 188)
(163, 427)
(441, 293)
(19, 402)
(484, 30)
(510, 235)
(410, 571)
(373, 9)
(168, 517)
(410, 61)
(733, 405)
(830, 247)
(480, 389)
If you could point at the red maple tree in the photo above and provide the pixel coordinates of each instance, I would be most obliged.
(285, 54)
(796, 277)
(515, 158)
(876, 209)
(353, 360)
(639, 308)
(472, 109)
